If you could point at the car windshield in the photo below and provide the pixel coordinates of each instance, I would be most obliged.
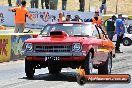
(70, 29)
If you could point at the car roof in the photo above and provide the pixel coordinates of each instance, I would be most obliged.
(70, 22)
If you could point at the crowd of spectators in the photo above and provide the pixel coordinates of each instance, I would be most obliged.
(48, 4)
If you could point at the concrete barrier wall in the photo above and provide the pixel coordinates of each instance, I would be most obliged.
(11, 45)
(16, 45)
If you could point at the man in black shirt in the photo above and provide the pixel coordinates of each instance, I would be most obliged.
(110, 27)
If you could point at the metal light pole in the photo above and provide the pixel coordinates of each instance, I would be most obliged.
(116, 6)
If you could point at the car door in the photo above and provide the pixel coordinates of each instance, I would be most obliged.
(105, 47)
(97, 43)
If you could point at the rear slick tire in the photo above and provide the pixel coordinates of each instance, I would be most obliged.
(106, 68)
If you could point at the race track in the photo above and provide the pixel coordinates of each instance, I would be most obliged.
(12, 74)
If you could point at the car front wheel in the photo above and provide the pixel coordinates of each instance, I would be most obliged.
(106, 68)
(127, 42)
(29, 69)
(88, 64)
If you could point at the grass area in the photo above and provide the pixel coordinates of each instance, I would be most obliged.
(124, 6)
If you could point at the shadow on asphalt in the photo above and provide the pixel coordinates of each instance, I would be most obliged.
(63, 76)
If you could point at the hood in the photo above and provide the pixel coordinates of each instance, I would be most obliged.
(58, 37)
(58, 40)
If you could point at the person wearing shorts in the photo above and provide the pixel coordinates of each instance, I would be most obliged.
(20, 16)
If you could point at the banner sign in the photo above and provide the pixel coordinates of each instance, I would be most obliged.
(41, 16)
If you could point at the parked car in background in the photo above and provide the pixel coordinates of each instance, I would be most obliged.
(127, 38)
(69, 44)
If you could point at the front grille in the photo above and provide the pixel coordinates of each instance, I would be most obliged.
(52, 48)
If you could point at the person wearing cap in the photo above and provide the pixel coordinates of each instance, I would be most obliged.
(120, 32)
(110, 27)
(97, 19)
(77, 18)
(20, 16)
(61, 17)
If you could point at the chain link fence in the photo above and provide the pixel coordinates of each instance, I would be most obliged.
(123, 6)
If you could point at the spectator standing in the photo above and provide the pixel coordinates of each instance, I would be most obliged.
(120, 32)
(18, 2)
(9, 2)
(53, 4)
(34, 3)
(68, 18)
(97, 19)
(64, 3)
(103, 6)
(61, 17)
(110, 27)
(2, 27)
(20, 17)
(46, 4)
(82, 5)
(77, 18)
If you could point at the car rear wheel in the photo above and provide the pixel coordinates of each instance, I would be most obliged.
(29, 69)
(54, 69)
(106, 68)
(88, 64)
(127, 42)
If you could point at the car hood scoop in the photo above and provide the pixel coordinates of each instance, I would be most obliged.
(58, 34)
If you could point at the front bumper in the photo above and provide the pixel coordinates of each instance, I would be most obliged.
(54, 54)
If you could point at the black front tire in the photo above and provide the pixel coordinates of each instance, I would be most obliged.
(88, 64)
(29, 69)
(106, 68)
(127, 42)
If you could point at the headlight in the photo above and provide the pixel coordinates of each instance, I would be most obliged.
(29, 47)
(76, 47)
